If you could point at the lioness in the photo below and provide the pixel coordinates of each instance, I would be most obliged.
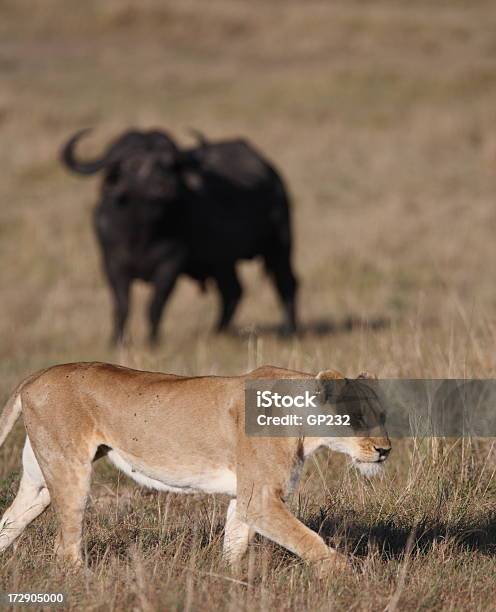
(168, 432)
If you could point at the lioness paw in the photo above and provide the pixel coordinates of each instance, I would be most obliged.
(335, 562)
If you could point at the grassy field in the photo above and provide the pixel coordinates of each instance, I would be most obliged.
(381, 116)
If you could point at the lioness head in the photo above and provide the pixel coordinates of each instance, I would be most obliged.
(370, 446)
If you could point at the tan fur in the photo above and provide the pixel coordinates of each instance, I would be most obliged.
(169, 432)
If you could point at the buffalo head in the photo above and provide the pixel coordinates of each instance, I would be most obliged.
(139, 165)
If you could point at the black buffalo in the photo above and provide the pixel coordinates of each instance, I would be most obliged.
(164, 212)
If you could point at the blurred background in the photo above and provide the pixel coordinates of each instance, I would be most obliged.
(381, 116)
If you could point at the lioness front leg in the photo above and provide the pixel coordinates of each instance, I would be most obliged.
(267, 513)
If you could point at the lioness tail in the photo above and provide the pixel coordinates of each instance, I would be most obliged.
(13, 408)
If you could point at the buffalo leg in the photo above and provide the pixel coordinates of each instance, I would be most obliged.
(280, 267)
(119, 283)
(230, 292)
(164, 280)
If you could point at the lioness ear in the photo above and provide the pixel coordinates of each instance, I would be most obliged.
(367, 375)
(329, 375)
(327, 390)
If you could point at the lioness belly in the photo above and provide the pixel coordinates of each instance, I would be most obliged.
(206, 479)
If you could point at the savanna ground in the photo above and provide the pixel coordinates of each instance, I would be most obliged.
(382, 118)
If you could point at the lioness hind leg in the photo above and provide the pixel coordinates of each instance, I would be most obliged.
(237, 536)
(31, 499)
(69, 491)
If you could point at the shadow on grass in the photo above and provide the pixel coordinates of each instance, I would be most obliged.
(391, 540)
(318, 327)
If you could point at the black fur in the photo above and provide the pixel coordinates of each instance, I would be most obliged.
(164, 212)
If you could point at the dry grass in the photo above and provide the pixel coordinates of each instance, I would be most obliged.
(381, 116)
